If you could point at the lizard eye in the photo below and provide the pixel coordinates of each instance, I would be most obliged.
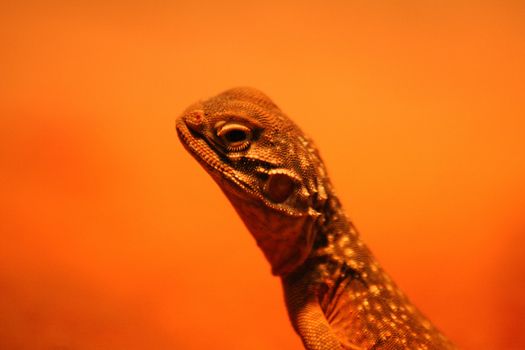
(236, 137)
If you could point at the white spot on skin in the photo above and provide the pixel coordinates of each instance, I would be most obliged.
(374, 290)
(348, 252)
(385, 334)
(374, 267)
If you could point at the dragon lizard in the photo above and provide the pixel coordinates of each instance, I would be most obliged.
(337, 295)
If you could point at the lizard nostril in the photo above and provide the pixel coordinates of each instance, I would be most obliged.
(195, 121)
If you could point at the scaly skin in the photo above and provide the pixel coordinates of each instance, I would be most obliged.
(337, 295)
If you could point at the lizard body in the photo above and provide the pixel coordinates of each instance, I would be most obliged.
(337, 295)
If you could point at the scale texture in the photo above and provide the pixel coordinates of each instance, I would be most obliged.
(337, 295)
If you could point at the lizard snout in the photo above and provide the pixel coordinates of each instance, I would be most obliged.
(194, 121)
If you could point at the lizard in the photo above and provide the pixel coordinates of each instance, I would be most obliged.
(337, 295)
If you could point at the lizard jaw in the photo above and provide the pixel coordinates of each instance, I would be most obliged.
(223, 174)
(207, 158)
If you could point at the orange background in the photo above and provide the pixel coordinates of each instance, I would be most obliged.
(111, 235)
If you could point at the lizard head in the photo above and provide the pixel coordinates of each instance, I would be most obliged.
(268, 169)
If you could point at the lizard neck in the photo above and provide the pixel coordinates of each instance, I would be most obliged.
(358, 298)
(338, 249)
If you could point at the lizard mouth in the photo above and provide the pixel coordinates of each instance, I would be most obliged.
(219, 169)
(202, 151)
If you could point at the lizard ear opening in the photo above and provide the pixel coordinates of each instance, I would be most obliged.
(279, 187)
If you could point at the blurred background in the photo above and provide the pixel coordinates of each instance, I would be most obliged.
(112, 236)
